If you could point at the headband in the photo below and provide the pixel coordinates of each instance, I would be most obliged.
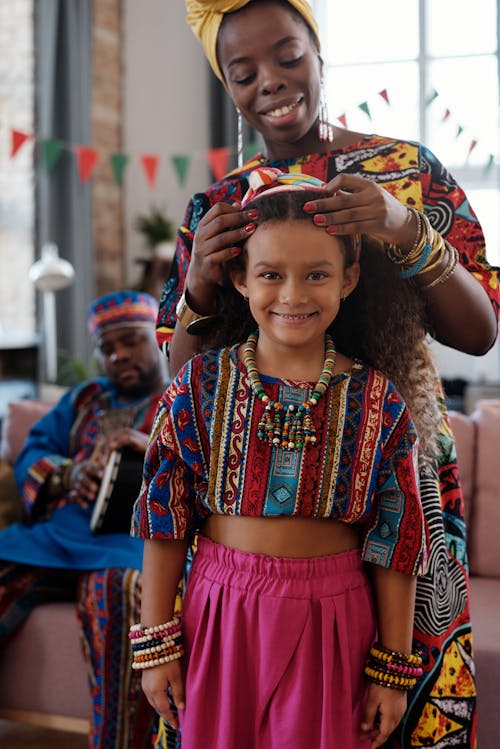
(269, 180)
(205, 19)
(121, 309)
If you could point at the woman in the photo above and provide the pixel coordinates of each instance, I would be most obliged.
(266, 52)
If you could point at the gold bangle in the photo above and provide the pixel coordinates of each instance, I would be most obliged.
(447, 272)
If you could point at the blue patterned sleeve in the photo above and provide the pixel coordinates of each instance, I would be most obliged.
(396, 538)
(166, 506)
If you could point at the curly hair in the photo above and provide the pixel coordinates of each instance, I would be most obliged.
(382, 322)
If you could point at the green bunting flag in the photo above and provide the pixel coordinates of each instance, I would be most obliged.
(365, 108)
(118, 163)
(489, 163)
(433, 95)
(459, 131)
(51, 150)
(180, 163)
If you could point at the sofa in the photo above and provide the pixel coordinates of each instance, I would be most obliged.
(43, 675)
(47, 646)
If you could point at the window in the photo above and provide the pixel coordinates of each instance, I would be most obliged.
(17, 316)
(447, 47)
(413, 50)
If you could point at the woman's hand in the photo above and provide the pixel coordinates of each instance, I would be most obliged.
(360, 206)
(384, 710)
(155, 682)
(220, 229)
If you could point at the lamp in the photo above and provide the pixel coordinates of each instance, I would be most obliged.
(50, 274)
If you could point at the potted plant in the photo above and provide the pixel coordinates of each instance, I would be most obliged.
(157, 231)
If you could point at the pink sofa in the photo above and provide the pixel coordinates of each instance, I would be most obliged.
(42, 673)
(43, 676)
(478, 450)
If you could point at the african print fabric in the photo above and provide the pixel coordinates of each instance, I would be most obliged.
(442, 709)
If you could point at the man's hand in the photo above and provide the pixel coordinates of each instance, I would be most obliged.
(138, 441)
(84, 481)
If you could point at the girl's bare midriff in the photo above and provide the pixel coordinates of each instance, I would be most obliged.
(282, 536)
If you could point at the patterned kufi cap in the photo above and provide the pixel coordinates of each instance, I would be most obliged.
(121, 309)
(205, 19)
(268, 180)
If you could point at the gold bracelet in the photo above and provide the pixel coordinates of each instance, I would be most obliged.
(394, 251)
(448, 271)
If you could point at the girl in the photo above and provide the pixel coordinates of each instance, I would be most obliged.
(297, 464)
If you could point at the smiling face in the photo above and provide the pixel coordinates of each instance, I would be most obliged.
(273, 72)
(130, 357)
(294, 279)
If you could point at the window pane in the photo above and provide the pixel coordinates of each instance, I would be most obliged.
(458, 28)
(360, 32)
(346, 88)
(472, 106)
(485, 205)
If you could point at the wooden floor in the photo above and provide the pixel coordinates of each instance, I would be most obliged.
(20, 736)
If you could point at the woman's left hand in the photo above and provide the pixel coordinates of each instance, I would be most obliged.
(360, 206)
(384, 710)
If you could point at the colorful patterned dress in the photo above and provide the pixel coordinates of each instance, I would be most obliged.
(54, 556)
(442, 709)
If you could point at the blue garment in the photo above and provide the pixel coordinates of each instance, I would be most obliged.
(60, 537)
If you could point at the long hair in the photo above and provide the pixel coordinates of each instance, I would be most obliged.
(382, 321)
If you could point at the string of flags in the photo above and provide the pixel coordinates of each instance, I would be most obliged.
(218, 159)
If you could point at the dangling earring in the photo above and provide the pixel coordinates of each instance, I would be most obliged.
(325, 129)
(240, 139)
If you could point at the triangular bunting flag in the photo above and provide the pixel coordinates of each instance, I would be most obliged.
(51, 150)
(489, 163)
(365, 108)
(150, 164)
(87, 159)
(472, 146)
(384, 95)
(218, 159)
(459, 131)
(181, 164)
(431, 97)
(18, 138)
(343, 120)
(118, 163)
(446, 115)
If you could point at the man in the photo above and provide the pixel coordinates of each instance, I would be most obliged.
(54, 555)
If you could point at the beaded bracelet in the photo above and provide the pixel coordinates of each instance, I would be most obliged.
(154, 646)
(419, 265)
(381, 653)
(394, 251)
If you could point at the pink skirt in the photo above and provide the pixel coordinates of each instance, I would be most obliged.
(275, 650)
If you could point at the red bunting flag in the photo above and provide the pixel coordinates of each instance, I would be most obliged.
(18, 138)
(472, 146)
(150, 163)
(446, 115)
(385, 96)
(87, 159)
(343, 120)
(218, 160)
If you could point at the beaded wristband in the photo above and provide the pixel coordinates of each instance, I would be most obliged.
(394, 251)
(154, 646)
(380, 653)
(419, 265)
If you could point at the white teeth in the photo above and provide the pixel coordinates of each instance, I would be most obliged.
(282, 110)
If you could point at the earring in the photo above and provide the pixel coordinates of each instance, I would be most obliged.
(240, 138)
(325, 129)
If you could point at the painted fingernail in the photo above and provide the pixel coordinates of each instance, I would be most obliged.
(311, 206)
(319, 219)
(331, 229)
(253, 213)
(249, 228)
(235, 250)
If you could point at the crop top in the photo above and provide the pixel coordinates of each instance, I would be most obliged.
(204, 457)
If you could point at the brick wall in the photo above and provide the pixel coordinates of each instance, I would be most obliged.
(107, 112)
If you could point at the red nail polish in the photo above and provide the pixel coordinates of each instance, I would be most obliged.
(253, 213)
(249, 228)
(235, 250)
(319, 219)
(331, 229)
(311, 206)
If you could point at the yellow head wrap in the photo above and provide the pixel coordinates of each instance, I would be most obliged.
(205, 19)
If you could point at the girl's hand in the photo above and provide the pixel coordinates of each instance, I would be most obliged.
(384, 710)
(155, 682)
(220, 229)
(360, 206)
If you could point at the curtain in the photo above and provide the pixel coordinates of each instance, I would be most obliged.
(63, 73)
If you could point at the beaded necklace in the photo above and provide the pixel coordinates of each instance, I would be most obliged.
(289, 428)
